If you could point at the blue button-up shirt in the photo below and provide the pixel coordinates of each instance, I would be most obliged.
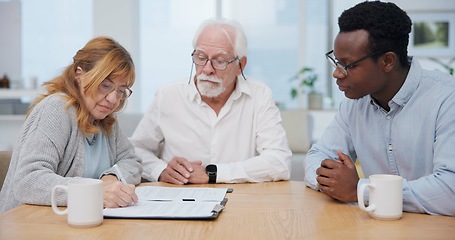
(415, 139)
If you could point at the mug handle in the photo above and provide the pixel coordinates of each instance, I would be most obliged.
(360, 196)
(53, 200)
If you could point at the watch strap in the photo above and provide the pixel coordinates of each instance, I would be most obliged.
(211, 171)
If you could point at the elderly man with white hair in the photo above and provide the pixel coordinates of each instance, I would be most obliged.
(220, 127)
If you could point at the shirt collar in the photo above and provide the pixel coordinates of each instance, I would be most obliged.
(193, 94)
(409, 86)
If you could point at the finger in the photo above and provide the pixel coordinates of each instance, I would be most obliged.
(121, 197)
(129, 189)
(197, 162)
(323, 171)
(174, 177)
(124, 200)
(185, 164)
(178, 175)
(178, 164)
(326, 190)
(324, 181)
(330, 163)
(110, 204)
(345, 159)
(113, 201)
(181, 170)
(133, 194)
(135, 198)
(121, 200)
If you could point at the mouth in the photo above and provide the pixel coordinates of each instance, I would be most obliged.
(105, 108)
(209, 81)
(343, 88)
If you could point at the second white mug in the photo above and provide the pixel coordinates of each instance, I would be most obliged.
(386, 196)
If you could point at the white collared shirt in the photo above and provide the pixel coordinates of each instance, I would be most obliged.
(246, 140)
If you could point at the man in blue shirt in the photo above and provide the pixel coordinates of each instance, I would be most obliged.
(398, 118)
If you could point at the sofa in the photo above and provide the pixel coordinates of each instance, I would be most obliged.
(297, 124)
(5, 158)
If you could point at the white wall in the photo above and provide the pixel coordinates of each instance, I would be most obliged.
(10, 35)
(119, 19)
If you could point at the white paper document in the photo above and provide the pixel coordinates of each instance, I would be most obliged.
(173, 203)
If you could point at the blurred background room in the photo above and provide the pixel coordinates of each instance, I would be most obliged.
(39, 37)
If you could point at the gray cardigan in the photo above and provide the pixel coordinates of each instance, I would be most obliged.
(50, 151)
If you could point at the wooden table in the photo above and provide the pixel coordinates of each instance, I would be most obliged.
(279, 210)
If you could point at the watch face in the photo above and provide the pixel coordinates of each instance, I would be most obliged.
(210, 168)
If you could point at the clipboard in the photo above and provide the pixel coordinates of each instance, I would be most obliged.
(127, 214)
(170, 203)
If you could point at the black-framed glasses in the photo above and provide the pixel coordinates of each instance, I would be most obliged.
(344, 68)
(218, 63)
(107, 86)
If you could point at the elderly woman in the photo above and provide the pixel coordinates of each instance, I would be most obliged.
(71, 131)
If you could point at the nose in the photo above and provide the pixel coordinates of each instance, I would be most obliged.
(338, 73)
(208, 68)
(112, 97)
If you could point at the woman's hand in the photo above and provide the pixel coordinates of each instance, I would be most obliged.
(116, 193)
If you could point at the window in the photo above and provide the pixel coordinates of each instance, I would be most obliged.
(283, 35)
(52, 32)
(167, 28)
(166, 33)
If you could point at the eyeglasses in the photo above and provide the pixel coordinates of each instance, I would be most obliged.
(217, 63)
(107, 86)
(344, 68)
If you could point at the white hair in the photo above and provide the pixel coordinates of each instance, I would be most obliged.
(239, 44)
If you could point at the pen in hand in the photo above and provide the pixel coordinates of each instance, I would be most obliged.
(121, 178)
(119, 174)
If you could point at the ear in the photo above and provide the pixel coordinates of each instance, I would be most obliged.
(389, 61)
(243, 62)
(79, 72)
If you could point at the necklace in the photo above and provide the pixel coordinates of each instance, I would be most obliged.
(90, 143)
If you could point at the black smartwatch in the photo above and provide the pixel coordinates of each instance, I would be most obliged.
(211, 171)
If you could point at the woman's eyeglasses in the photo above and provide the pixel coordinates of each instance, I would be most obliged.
(107, 86)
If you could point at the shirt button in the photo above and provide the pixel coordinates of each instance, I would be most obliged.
(388, 117)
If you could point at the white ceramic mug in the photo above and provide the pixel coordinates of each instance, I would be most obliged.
(386, 196)
(85, 202)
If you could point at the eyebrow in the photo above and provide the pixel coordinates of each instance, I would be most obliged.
(341, 60)
(335, 57)
(221, 52)
(124, 85)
